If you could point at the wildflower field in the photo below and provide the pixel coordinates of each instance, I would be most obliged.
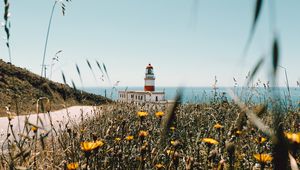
(221, 134)
(218, 135)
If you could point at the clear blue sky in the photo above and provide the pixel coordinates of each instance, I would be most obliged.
(187, 41)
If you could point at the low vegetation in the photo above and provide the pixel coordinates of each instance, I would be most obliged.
(218, 135)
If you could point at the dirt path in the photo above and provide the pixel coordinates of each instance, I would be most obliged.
(59, 116)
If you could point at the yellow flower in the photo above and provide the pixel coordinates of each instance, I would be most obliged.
(174, 143)
(143, 133)
(172, 128)
(72, 166)
(263, 158)
(210, 141)
(170, 152)
(159, 114)
(238, 132)
(129, 138)
(117, 139)
(218, 126)
(99, 143)
(142, 114)
(89, 146)
(293, 137)
(261, 140)
(34, 128)
(159, 166)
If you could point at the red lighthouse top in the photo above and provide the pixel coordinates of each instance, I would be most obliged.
(149, 66)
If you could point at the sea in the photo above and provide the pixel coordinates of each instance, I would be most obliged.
(208, 94)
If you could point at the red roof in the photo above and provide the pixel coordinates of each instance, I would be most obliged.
(149, 66)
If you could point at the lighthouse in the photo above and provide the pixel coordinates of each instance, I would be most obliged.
(149, 79)
(148, 95)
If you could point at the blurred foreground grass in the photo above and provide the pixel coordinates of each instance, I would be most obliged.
(125, 136)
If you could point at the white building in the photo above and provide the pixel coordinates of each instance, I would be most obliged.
(149, 95)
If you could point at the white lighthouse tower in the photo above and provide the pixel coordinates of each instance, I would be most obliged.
(149, 79)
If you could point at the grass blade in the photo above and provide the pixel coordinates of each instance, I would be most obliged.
(102, 73)
(99, 66)
(64, 78)
(171, 117)
(275, 55)
(79, 74)
(74, 86)
(256, 68)
(251, 116)
(257, 12)
(91, 68)
(104, 67)
(293, 163)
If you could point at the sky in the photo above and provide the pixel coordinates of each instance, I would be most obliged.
(188, 42)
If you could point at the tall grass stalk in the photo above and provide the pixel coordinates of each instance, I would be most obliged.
(47, 37)
(7, 27)
(48, 29)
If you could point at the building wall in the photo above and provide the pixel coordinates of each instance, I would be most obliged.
(140, 97)
(155, 97)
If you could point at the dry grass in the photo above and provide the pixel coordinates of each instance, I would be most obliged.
(134, 141)
(20, 87)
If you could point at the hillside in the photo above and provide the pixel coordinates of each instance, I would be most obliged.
(20, 88)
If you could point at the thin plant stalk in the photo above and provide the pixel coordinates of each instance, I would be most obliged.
(47, 36)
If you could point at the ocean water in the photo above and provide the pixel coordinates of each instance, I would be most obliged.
(207, 94)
